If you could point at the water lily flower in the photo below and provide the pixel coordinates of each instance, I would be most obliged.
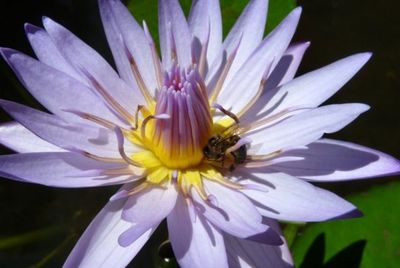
(217, 136)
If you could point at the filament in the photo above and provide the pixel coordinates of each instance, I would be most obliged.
(120, 139)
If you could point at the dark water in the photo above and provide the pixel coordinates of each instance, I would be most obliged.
(45, 222)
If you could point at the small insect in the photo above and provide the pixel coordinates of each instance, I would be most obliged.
(218, 145)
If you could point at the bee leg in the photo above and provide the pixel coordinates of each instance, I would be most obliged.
(232, 167)
(223, 161)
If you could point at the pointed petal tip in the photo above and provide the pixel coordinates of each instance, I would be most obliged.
(358, 60)
(119, 195)
(47, 21)
(392, 168)
(363, 107)
(396, 169)
(291, 19)
(367, 55)
(7, 52)
(355, 213)
(300, 46)
(298, 9)
(362, 58)
(31, 29)
(296, 12)
(356, 108)
(397, 166)
(303, 44)
(366, 107)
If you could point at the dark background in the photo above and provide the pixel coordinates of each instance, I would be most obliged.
(45, 222)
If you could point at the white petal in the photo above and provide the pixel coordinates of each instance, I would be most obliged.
(286, 256)
(145, 210)
(123, 32)
(56, 90)
(246, 253)
(250, 29)
(243, 86)
(283, 72)
(164, 31)
(196, 242)
(313, 88)
(333, 160)
(16, 137)
(292, 199)
(232, 213)
(98, 246)
(288, 65)
(304, 128)
(171, 18)
(154, 203)
(61, 169)
(204, 18)
(48, 53)
(95, 140)
(89, 63)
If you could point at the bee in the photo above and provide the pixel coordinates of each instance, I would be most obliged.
(217, 146)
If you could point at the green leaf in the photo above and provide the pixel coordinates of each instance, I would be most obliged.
(277, 11)
(379, 228)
